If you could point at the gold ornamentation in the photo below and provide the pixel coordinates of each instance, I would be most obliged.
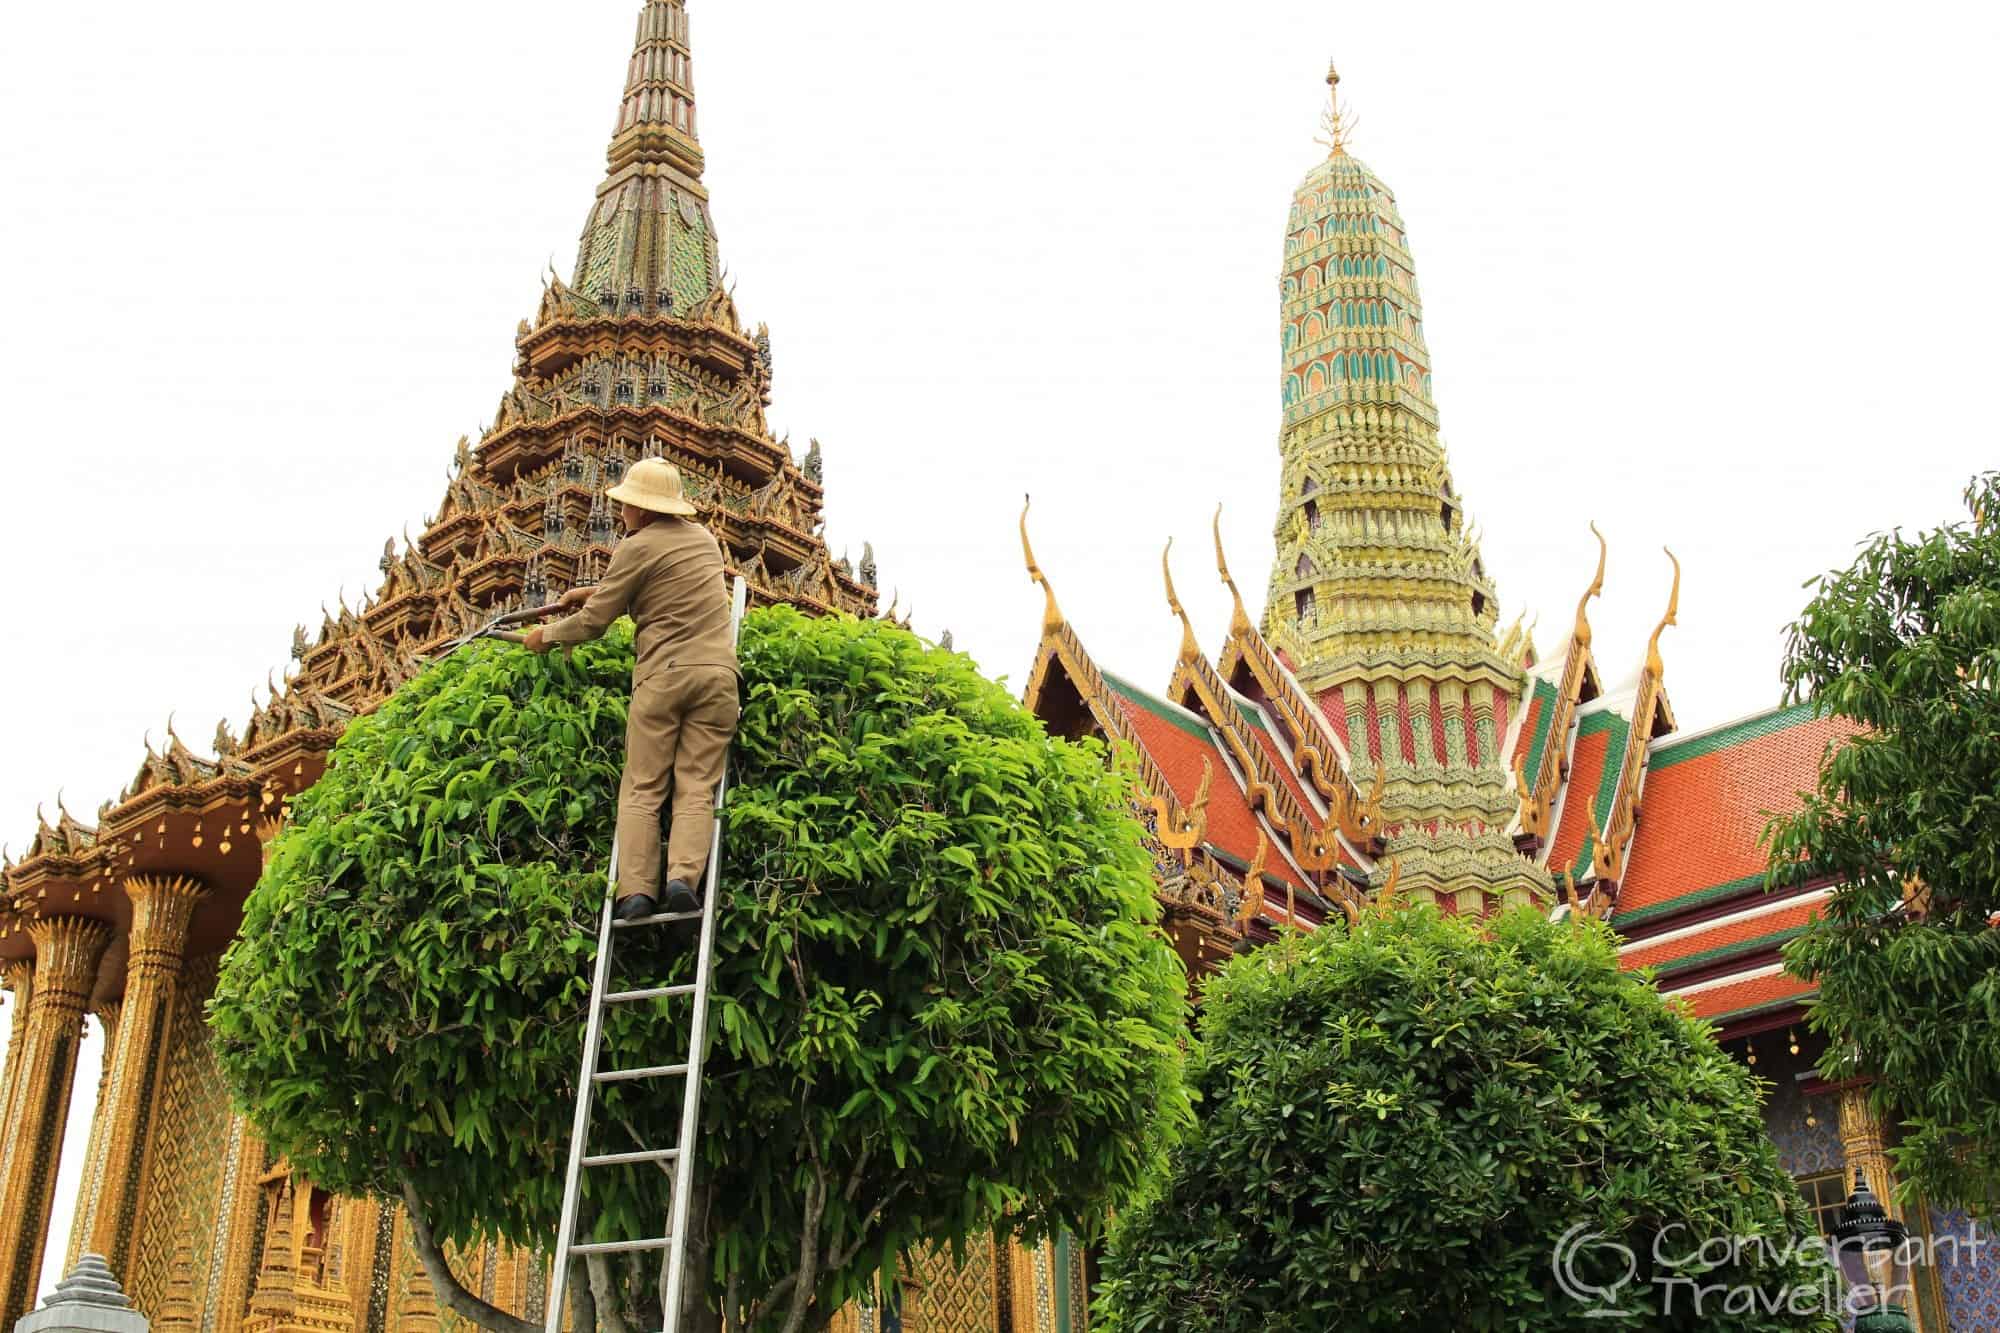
(1052, 616)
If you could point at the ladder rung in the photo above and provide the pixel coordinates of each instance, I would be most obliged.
(650, 993)
(657, 919)
(620, 1158)
(650, 1071)
(621, 1246)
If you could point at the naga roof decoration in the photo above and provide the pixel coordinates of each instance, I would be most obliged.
(641, 354)
(1239, 846)
(1376, 737)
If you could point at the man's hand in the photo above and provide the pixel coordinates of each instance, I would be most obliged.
(535, 642)
(574, 598)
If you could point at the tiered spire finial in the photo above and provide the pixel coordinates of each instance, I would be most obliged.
(1337, 124)
(656, 117)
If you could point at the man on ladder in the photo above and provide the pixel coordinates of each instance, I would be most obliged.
(667, 575)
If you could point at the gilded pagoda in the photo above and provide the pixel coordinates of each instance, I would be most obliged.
(1372, 739)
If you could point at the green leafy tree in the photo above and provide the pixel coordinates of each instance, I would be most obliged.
(942, 1006)
(1906, 825)
(1408, 1125)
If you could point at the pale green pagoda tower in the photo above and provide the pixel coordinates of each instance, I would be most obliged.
(1378, 597)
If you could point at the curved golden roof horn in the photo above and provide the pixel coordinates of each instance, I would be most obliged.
(1190, 646)
(1052, 616)
(1595, 589)
(1653, 662)
(1239, 618)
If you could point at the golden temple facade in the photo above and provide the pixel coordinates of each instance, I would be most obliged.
(123, 919)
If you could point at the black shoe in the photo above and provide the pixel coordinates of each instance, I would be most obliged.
(681, 898)
(633, 908)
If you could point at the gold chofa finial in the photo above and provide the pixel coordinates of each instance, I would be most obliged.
(1596, 589)
(1653, 662)
(1336, 124)
(1239, 618)
(1190, 646)
(1052, 616)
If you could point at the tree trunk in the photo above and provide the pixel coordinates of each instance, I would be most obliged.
(451, 1293)
(699, 1312)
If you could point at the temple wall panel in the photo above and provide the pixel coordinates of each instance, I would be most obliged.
(185, 1196)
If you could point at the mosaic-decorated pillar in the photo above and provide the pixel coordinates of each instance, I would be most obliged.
(1864, 1142)
(1451, 702)
(19, 981)
(93, 1154)
(162, 910)
(67, 952)
(1388, 724)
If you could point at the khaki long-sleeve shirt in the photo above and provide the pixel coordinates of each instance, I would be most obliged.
(668, 577)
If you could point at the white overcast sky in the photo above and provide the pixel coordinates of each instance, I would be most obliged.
(1720, 276)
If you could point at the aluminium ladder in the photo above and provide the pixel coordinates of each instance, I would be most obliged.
(689, 1072)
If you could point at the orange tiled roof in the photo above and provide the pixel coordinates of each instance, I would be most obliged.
(1739, 998)
(1706, 801)
(1757, 929)
(1592, 765)
(1529, 742)
(1177, 741)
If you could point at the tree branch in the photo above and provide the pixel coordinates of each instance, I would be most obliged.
(451, 1293)
(808, 1274)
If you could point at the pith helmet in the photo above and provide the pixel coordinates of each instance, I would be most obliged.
(655, 484)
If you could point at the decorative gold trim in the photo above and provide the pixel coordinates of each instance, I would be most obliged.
(1052, 616)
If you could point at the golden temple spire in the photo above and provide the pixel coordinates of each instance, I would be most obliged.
(656, 122)
(1052, 616)
(1336, 124)
(1653, 663)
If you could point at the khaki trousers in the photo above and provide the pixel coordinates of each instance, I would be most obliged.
(676, 741)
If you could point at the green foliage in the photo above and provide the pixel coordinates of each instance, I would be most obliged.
(1401, 1124)
(1906, 642)
(939, 988)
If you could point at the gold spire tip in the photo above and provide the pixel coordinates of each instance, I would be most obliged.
(1336, 124)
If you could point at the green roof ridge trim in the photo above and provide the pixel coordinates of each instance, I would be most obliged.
(1620, 732)
(1158, 707)
(1723, 951)
(1544, 691)
(1693, 899)
(1673, 751)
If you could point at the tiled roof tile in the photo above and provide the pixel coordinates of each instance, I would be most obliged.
(1756, 930)
(1743, 997)
(1600, 751)
(1706, 802)
(1178, 741)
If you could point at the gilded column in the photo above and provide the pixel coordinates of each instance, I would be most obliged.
(93, 1155)
(1864, 1143)
(67, 952)
(162, 910)
(19, 979)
